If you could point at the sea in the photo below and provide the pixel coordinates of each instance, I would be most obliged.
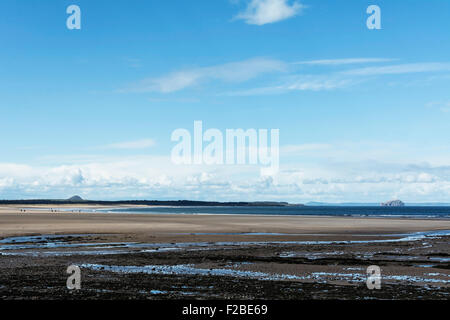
(350, 211)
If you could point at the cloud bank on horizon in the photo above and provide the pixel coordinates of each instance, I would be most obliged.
(379, 172)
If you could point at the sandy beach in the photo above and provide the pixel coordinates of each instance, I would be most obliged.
(168, 256)
(41, 220)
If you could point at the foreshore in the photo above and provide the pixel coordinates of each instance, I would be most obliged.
(176, 256)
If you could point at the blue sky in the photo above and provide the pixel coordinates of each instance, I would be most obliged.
(363, 114)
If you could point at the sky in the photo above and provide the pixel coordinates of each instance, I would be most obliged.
(363, 114)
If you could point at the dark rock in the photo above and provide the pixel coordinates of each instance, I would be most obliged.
(393, 203)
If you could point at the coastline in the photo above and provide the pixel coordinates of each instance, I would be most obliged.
(185, 256)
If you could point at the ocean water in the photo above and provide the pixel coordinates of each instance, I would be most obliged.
(407, 211)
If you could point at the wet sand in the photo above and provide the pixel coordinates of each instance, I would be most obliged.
(213, 257)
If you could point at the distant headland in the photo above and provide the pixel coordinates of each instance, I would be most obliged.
(77, 200)
(179, 203)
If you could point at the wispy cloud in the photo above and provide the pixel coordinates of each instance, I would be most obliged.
(328, 62)
(137, 144)
(316, 83)
(307, 147)
(285, 76)
(260, 12)
(444, 106)
(300, 83)
(230, 72)
(400, 69)
(340, 79)
(133, 62)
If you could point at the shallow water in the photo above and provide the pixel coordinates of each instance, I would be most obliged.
(188, 270)
(360, 211)
(44, 243)
(316, 276)
(310, 255)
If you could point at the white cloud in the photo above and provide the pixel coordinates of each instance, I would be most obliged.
(260, 12)
(137, 144)
(230, 72)
(333, 171)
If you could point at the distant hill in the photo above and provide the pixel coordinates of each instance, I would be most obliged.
(75, 199)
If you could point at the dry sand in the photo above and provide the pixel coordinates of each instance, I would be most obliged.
(40, 220)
